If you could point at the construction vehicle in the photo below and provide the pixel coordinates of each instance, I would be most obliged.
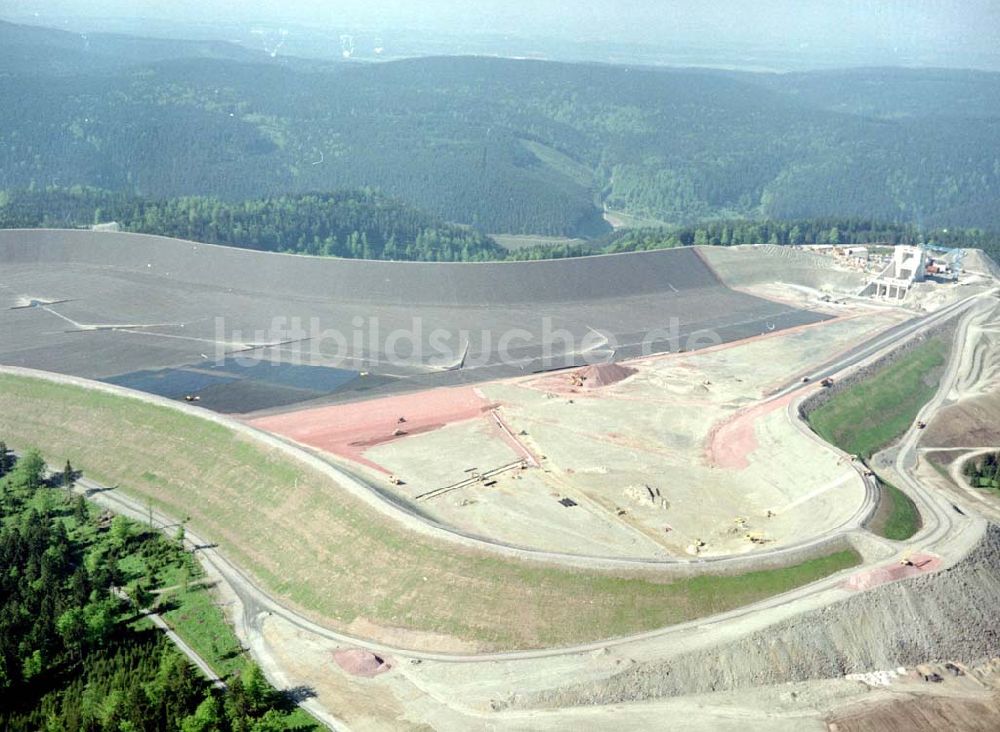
(927, 673)
(826, 383)
(921, 425)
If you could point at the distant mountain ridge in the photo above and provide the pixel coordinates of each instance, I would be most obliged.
(29, 49)
(502, 145)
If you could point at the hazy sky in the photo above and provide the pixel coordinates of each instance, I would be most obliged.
(904, 25)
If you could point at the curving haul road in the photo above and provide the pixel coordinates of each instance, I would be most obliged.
(942, 525)
(130, 280)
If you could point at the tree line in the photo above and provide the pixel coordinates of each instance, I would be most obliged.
(837, 231)
(779, 233)
(74, 651)
(370, 225)
(984, 472)
(357, 224)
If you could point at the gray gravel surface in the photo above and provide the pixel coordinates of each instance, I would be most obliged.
(950, 615)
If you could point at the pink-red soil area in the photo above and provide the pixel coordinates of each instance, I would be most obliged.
(358, 662)
(348, 430)
(731, 441)
(916, 564)
(513, 441)
(575, 381)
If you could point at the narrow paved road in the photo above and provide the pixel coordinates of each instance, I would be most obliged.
(187, 650)
(181, 644)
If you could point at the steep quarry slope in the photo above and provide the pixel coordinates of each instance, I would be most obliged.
(950, 615)
(976, 260)
(972, 419)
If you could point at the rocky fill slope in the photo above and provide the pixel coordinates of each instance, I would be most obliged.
(950, 615)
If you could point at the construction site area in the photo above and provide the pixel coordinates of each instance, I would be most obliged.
(670, 456)
(573, 493)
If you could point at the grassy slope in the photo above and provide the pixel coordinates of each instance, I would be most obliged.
(900, 518)
(513, 242)
(868, 416)
(196, 617)
(308, 541)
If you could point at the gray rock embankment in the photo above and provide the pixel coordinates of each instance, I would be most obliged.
(951, 615)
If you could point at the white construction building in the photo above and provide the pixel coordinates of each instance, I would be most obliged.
(908, 265)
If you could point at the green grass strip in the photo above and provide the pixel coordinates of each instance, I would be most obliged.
(868, 416)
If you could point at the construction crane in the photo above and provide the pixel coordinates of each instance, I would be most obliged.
(957, 255)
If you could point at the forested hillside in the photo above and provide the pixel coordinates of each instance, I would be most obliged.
(738, 232)
(75, 652)
(353, 224)
(808, 231)
(369, 225)
(505, 145)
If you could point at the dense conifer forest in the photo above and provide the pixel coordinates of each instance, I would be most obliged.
(505, 146)
(984, 472)
(354, 224)
(75, 650)
(369, 225)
